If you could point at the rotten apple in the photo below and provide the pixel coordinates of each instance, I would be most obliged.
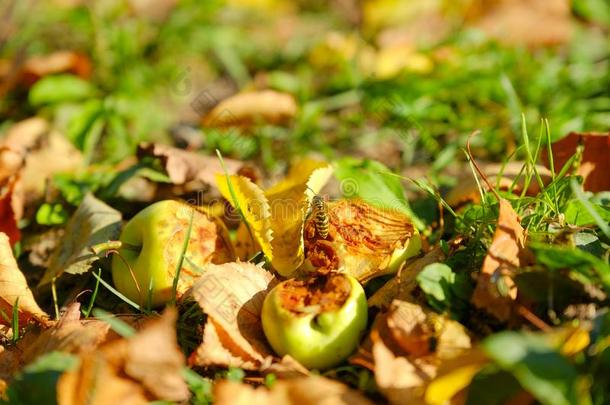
(318, 321)
(151, 248)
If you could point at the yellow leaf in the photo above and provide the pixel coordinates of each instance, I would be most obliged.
(13, 287)
(289, 201)
(443, 388)
(276, 217)
(576, 341)
(253, 205)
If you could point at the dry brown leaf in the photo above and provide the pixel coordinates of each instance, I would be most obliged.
(249, 108)
(506, 253)
(96, 382)
(40, 145)
(232, 295)
(70, 335)
(218, 350)
(153, 358)
(183, 167)
(405, 348)
(524, 22)
(13, 287)
(467, 188)
(37, 67)
(312, 390)
(92, 223)
(137, 370)
(595, 164)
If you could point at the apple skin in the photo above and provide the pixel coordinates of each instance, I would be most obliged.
(317, 341)
(152, 244)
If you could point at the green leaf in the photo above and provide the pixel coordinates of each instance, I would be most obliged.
(540, 369)
(82, 125)
(60, 88)
(93, 222)
(444, 289)
(51, 214)
(584, 266)
(36, 384)
(576, 213)
(435, 280)
(374, 183)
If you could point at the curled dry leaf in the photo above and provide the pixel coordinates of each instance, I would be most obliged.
(275, 218)
(92, 223)
(232, 296)
(183, 166)
(136, 370)
(506, 253)
(467, 189)
(595, 164)
(255, 211)
(363, 240)
(288, 201)
(68, 335)
(405, 348)
(13, 287)
(250, 108)
(311, 390)
(154, 359)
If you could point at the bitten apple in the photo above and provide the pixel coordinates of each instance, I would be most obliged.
(152, 243)
(319, 322)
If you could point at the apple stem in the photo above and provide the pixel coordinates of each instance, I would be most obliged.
(108, 245)
(112, 245)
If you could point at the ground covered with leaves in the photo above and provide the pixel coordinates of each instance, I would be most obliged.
(276, 202)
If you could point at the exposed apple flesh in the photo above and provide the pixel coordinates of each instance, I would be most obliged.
(319, 322)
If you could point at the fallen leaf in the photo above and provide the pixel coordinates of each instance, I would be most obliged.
(183, 166)
(524, 22)
(144, 367)
(94, 372)
(232, 296)
(276, 217)
(363, 240)
(154, 359)
(35, 141)
(405, 347)
(506, 253)
(39, 66)
(254, 208)
(454, 375)
(11, 208)
(250, 108)
(13, 287)
(288, 202)
(69, 335)
(93, 222)
(595, 164)
(311, 390)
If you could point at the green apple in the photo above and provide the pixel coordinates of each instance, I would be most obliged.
(318, 322)
(152, 242)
